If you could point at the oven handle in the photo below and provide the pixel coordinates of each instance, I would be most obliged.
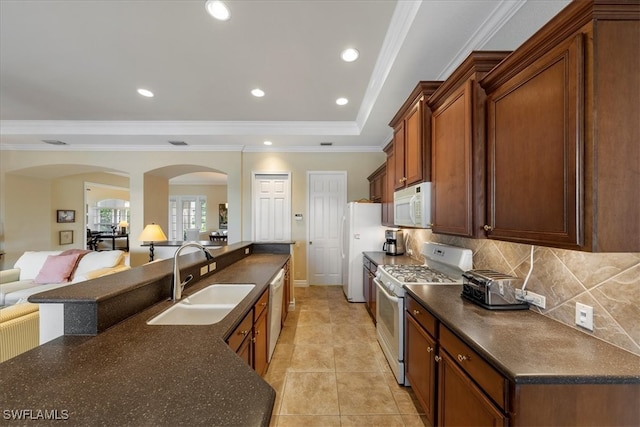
(386, 293)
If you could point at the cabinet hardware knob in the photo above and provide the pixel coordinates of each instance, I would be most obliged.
(264, 304)
(258, 332)
(462, 358)
(429, 349)
(487, 227)
(437, 358)
(416, 312)
(253, 340)
(244, 333)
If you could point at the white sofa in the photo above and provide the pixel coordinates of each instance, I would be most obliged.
(18, 283)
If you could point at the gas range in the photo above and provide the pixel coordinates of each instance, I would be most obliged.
(444, 266)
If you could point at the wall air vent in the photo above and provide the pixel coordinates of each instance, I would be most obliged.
(177, 143)
(54, 142)
(326, 144)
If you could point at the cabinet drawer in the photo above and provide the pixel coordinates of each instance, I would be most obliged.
(490, 380)
(424, 318)
(262, 304)
(242, 331)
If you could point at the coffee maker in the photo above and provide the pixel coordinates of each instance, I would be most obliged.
(394, 244)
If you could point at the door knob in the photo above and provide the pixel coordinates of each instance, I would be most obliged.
(487, 227)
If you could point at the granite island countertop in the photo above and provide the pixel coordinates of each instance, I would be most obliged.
(526, 347)
(136, 374)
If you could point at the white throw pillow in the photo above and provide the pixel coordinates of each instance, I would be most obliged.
(31, 262)
(97, 260)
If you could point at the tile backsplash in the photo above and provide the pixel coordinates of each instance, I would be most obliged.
(609, 282)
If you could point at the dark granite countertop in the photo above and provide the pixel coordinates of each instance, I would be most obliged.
(381, 258)
(136, 374)
(527, 347)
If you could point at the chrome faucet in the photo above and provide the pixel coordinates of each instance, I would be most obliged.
(178, 285)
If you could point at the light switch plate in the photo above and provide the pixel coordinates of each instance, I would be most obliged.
(204, 270)
(212, 266)
(584, 316)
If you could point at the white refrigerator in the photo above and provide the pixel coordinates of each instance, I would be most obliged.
(362, 231)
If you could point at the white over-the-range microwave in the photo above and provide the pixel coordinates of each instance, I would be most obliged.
(412, 206)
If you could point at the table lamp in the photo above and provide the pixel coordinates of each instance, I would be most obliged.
(152, 233)
(123, 226)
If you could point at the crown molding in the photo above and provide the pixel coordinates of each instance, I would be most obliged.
(496, 20)
(152, 127)
(403, 16)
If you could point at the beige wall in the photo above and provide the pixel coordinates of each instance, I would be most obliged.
(357, 165)
(609, 282)
(29, 223)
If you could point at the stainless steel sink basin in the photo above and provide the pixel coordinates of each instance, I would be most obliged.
(206, 307)
(220, 294)
(192, 314)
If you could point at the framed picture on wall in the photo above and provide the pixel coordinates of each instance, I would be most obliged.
(66, 215)
(222, 216)
(66, 237)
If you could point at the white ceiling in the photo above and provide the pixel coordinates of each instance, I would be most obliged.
(69, 70)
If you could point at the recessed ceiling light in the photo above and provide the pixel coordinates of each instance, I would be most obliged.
(217, 9)
(145, 92)
(267, 143)
(350, 54)
(258, 93)
(342, 101)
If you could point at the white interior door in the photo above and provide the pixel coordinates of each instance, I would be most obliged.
(272, 207)
(327, 198)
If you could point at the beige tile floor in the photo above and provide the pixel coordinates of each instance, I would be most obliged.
(328, 369)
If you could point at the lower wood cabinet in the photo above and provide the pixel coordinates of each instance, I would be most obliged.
(458, 387)
(369, 269)
(460, 401)
(421, 366)
(452, 383)
(250, 339)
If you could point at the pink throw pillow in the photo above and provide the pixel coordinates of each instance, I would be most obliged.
(57, 269)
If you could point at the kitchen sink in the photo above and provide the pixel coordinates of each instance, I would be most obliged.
(220, 294)
(192, 314)
(206, 307)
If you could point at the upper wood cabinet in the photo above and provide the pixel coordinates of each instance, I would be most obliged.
(563, 151)
(376, 184)
(411, 138)
(388, 185)
(458, 148)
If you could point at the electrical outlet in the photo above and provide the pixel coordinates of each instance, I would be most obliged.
(204, 270)
(246, 251)
(532, 298)
(212, 266)
(584, 316)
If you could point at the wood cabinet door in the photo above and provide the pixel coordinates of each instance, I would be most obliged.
(387, 204)
(535, 140)
(367, 288)
(460, 401)
(245, 351)
(414, 149)
(451, 174)
(261, 344)
(399, 156)
(420, 366)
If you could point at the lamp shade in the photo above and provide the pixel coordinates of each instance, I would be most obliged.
(152, 233)
(123, 223)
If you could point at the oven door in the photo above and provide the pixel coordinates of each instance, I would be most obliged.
(389, 329)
